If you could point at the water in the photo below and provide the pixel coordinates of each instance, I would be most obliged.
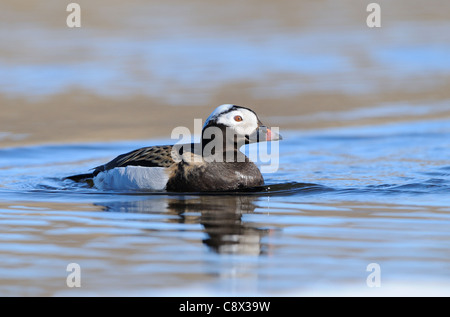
(170, 53)
(375, 190)
(341, 199)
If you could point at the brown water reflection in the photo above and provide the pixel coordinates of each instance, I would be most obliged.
(132, 250)
(220, 217)
(140, 68)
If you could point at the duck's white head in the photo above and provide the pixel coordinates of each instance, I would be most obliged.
(239, 123)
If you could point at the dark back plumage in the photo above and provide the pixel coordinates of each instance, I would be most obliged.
(153, 156)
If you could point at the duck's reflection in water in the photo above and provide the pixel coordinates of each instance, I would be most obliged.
(220, 215)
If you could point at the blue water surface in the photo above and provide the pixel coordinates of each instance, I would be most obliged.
(340, 200)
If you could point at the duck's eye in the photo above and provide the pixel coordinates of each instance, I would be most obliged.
(238, 118)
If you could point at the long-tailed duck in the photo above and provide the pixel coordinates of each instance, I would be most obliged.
(214, 164)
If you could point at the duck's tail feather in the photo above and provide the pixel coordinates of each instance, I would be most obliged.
(81, 177)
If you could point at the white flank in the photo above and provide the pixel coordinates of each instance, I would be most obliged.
(132, 178)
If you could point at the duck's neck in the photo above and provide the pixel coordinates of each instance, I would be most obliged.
(213, 150)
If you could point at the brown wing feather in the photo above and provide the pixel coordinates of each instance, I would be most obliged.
(154, 156)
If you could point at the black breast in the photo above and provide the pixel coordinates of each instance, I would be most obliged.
(215, 176)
